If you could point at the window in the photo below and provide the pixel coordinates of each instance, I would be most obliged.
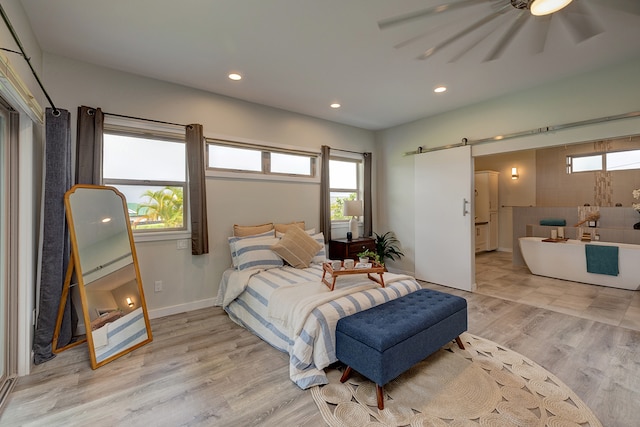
(586, 163)
(612, 161)
(623, 160)
(344, 184)
(236, 157)
(150, 170)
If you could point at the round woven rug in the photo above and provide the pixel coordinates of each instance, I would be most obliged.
(483, 385)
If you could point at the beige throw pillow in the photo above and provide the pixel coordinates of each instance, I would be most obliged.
(283, 228)
(297, 248)
(251, 230)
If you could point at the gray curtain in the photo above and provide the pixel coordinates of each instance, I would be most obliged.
(325, 196)
(197, 189)
(89, 146)
(368, 202)
(54, 239)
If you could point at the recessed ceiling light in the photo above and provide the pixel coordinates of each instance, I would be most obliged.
(235, 76)
(440, 89)
(335, 105)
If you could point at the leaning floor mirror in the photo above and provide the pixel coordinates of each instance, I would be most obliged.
(107, 273)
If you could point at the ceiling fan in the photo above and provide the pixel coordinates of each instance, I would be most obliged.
(573, 14)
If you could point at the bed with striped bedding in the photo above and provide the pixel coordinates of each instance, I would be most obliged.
(295, 312)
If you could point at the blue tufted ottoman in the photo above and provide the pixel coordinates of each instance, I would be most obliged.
(384, 341)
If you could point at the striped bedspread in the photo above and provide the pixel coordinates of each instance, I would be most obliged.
(294, 312)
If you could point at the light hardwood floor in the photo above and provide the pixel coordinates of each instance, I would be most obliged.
(203, 370)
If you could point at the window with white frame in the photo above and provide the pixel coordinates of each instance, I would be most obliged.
(149, 168)
(229, 156)
(344, 184)
(611, 161)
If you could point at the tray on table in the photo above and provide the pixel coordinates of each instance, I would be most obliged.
(376, 268)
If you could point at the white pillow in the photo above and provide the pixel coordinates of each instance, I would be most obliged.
(321, 256)
(233, 240)
(257, 254)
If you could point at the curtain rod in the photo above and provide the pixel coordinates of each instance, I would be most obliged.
(347, 151)
(55, 112)
(546, 129)
(142, 118)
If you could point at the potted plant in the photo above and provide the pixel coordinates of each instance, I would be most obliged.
(387, 247)
(367, 254)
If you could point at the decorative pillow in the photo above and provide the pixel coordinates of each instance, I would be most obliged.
(257, 254)
(282, 228)
(321, 256)
(251, 230)
(233, 240)
(310, 232)
(297, 248)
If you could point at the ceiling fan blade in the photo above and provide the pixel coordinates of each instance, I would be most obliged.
(541, 30)
(418, 14)
(628, 6)
(464, 32)
(470, 47)
(579, 21)
(508, 36)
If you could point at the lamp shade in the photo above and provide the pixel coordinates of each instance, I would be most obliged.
(352, 208)
(546, 7)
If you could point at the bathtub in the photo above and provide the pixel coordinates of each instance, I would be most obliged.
(568, 261)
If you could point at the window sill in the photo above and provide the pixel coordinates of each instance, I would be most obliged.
(160, 236)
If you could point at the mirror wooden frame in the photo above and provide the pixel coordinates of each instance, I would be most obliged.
(124, 329)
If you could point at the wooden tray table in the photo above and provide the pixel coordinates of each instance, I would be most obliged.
(376, 268)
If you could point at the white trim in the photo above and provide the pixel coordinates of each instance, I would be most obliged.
(27, 251)
(181, 308)
(16, 92)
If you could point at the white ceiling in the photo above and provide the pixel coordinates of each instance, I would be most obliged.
(302, 55)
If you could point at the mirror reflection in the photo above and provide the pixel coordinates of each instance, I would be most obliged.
(108, 276)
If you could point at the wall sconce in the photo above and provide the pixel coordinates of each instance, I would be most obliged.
(129, 302)
(514, 173)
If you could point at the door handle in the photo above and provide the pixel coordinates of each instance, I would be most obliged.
(465, 202)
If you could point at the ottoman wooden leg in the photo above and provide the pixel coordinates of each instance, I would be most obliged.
(346, 374)
(380, 394)
(459, 341)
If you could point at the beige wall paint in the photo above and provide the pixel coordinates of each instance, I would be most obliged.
(511, 193)
(192, 281)
(595, 94)
(557, 188)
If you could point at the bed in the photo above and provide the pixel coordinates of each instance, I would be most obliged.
(291, 309)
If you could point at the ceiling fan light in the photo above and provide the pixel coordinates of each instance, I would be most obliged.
(546, 7)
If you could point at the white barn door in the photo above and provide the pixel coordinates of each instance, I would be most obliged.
(444, 219)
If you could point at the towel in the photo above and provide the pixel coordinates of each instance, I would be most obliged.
(602, 259)
(556, 222)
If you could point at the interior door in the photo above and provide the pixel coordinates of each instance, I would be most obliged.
(444, 218)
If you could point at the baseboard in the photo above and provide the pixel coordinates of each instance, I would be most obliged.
(505, 249)
(181, 308)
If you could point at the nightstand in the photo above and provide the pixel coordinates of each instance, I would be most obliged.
(343, 248)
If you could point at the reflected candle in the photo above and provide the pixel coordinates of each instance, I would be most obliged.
(561, 232)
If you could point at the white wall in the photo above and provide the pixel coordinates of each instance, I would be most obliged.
(192, 281)
(596, 94)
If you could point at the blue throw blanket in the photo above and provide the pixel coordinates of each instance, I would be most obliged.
(555, 222)
(602, 259)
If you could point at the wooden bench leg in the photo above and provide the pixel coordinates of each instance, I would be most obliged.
(380, 394)
(459, 341)
(346, 374)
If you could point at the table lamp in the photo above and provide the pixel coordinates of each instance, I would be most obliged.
(353, 208)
